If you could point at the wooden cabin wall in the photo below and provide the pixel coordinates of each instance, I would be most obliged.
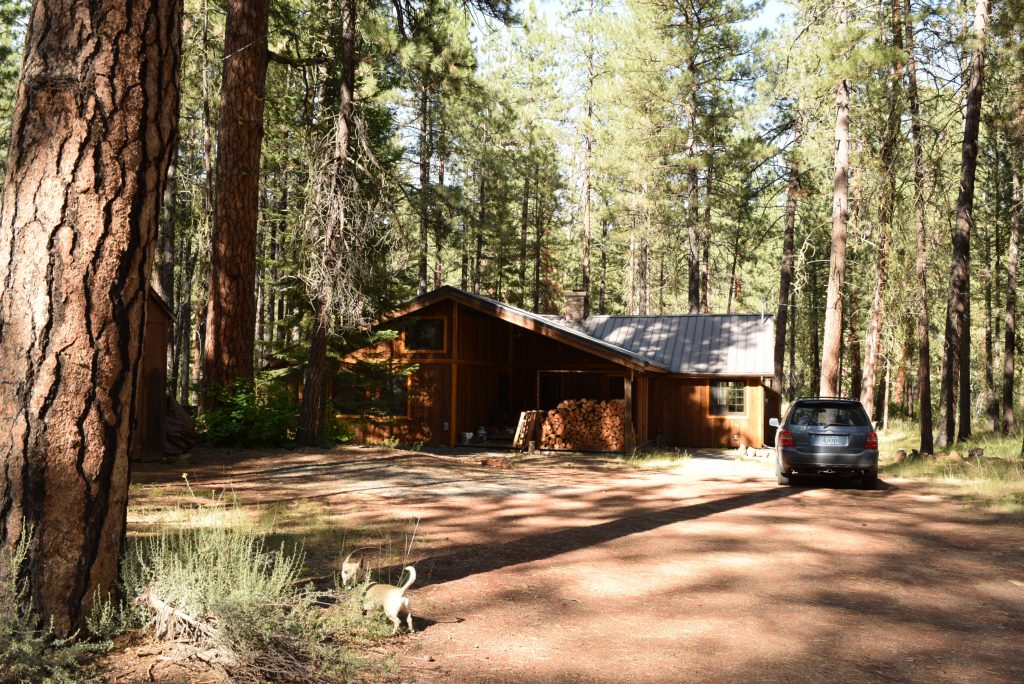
(429, 407)
(678, 409)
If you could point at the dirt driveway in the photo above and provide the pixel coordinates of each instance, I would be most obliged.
(563, 571)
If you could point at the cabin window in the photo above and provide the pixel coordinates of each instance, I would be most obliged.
(727, 398)
(426, 334)
(372, 395)
(395, 396)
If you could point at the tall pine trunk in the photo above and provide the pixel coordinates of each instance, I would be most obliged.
(886, 212)
(786, 275)
(311, 411)
(833, 336)
(956, 367)
(231, 309)
(924, 383)
(93, 132)
(524, 224)
(424, 198)
(1010, 316)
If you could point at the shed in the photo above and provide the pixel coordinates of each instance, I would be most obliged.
(686, 380)
(151, 401)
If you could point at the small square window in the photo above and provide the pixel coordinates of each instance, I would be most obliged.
(425, 335)
(727, 398)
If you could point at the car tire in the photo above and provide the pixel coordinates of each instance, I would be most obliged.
(869, 480)
(780, 477)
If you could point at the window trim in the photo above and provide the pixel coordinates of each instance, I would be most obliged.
(444, 343)
(728, 414)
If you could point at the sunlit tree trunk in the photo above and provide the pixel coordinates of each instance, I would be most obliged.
(833, 335)
(311, 412)
(886, 212)
(921, 263)
(785, 275)
(231, 309)
(1010, 316)
(956, 368)
(93, 132)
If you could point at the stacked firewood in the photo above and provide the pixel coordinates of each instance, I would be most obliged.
(585, 425)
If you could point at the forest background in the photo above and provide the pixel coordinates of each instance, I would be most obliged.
(664, 157)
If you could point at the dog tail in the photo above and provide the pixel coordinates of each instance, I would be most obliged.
(412, 578)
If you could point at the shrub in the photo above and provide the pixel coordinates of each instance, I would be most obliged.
(224, 587)
(28, 652)
(263, 412)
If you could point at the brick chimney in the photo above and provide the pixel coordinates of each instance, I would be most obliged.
(573, 310)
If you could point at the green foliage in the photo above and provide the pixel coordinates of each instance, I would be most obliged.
(30, 652)
(261, 413)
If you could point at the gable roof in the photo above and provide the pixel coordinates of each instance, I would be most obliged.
(696, 344)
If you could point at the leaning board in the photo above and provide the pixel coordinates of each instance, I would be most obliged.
(527, 428)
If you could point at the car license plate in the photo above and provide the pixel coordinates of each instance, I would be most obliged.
(829, 440)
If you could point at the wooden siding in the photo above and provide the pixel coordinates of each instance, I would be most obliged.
(679, 411)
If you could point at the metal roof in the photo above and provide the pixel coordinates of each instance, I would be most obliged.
(695, 344)
(692, 344)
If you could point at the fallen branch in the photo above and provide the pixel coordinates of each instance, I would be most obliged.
(174, 623)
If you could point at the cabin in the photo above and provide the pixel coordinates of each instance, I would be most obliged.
(473, 365)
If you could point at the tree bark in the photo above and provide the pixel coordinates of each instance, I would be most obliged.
(231, 308)
(786, 275)
(1010, 316)
(480, 233)
(693, 243)
(921, 262)
(93, 132)
(311, 411)
(524, 224)
(833, 335)
(705, 243)
(424, 203)
(886, 212)
(601, 304)
(956, 367)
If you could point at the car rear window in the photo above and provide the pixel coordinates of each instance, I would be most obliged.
(823, 414)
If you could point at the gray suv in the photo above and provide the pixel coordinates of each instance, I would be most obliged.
(826, 436)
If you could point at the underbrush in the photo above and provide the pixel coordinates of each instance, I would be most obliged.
(262, 412)
(30, 650)
(221, 586)
(995, 481)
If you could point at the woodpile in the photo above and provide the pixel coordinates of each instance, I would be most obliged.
(585, 425)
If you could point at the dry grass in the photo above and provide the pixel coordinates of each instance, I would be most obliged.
(659, 459)
(995, 482)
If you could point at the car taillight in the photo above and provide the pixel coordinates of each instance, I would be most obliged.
(786, 438)
(872, 441)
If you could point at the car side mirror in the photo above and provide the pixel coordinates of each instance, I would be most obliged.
(774, 422)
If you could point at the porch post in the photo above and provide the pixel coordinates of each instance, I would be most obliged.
(627, 424)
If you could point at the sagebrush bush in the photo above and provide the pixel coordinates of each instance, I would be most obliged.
(248, 595)
(30, 650)
(263, 412)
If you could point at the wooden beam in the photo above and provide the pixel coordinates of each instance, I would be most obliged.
(627, 424)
